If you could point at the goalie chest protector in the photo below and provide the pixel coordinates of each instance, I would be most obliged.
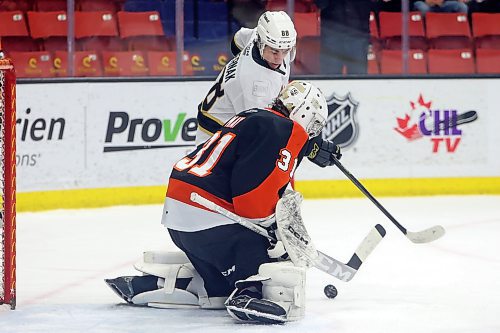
(245, 166)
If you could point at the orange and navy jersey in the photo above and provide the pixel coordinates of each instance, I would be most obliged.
(244, 167)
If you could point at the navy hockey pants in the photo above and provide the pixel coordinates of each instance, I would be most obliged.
(223, 255)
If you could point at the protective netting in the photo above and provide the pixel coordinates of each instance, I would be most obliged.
(7, 183)
(2, 184)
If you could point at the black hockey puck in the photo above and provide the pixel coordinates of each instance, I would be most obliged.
(330, 291)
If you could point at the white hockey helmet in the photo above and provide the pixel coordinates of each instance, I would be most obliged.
(307, 106)
(276, 30)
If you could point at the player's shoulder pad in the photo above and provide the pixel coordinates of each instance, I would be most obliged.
(243, 36)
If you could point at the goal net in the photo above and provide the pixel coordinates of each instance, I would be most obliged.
(7, 183)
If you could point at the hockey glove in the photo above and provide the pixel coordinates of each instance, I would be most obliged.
(321, 152)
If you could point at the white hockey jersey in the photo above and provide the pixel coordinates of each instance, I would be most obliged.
(245, 82)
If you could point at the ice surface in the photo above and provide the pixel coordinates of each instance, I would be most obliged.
(450, 285)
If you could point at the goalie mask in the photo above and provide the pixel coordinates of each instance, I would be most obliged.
(276, 30)
(307, 106)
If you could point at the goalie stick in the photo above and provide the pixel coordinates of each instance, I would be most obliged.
(323, 262)
(423, 236)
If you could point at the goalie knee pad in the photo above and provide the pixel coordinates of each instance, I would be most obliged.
(281, 298)
(180, 285)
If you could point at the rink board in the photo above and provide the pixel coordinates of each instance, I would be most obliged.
(86, 144)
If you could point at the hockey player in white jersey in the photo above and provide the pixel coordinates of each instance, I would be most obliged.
(254, 77)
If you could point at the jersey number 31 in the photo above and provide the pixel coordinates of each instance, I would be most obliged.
(205, 168)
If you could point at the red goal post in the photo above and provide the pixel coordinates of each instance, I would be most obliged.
(8, 183)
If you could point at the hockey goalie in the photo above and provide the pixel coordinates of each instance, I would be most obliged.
(244, 168)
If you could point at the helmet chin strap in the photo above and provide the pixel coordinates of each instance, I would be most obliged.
(261, 45)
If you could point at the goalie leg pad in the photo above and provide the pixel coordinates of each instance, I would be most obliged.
(172, 267)
(285, 287)
(281, 299)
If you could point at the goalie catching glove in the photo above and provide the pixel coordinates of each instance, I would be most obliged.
(321, 152)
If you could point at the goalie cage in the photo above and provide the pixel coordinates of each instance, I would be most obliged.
(8, 183)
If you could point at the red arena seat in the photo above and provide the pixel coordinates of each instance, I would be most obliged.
(486, 30)
(48, 24)
(13, 5)
(98, 5)
(488, 61)
(14, 32)
(50, 27)
(459, 61)
(391, 30)
(165, 63)
(124, 63)
(86, 63)
(448, 30)
(143, 31)
(50, 5)
(307, 24)
(97, 31)
(392, 62)
(13, 24)
(33, 64)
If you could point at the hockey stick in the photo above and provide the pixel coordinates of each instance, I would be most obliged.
(324, 262)
(424, 236)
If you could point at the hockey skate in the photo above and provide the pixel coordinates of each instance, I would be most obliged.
(246, 308)
(122, 286)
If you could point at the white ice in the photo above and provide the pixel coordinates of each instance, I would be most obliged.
(450, 285)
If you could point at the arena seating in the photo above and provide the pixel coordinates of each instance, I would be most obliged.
(143, 31)
(51, 28)
(454, 61)
(391, 30)
(97, 31)
(307, 24)
(486, 30)
(14, 32)
(391, 62)
(13, 5)
(99, 5)
(33, 64)
(140, 36)
(208, 57)
(124, 63)
(448, 30)
(50, 5)
(163, 63)
(488, 61)
(86, 63)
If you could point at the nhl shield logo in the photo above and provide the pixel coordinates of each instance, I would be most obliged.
(341, 125)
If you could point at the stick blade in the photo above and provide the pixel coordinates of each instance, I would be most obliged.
(369, 243)
(427, 235)
(346, 272)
